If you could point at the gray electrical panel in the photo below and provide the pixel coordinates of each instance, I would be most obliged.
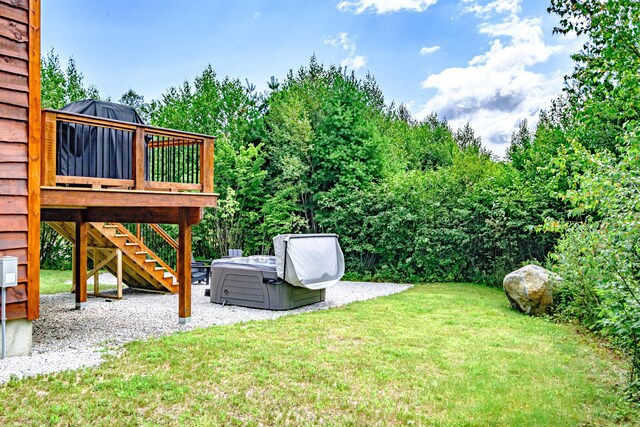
(8, 271)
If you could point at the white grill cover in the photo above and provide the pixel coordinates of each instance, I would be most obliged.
(313, 261)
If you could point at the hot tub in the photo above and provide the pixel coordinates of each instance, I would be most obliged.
(309, 266)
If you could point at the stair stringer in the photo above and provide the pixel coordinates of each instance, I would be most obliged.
(136, 272)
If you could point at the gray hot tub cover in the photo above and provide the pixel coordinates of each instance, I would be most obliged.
(313, 261)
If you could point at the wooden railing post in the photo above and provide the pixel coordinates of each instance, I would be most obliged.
(48, 166)
(206, 165)
(138, 159)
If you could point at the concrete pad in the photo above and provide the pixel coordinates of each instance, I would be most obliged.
(19, 337)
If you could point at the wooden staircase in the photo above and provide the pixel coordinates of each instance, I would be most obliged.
(141, 267)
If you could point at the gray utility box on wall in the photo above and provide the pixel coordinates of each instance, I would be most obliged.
(8, 271)
(252, 282)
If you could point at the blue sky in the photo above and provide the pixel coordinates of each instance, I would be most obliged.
(489, 62)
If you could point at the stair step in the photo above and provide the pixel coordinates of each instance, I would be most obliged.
(150, 275)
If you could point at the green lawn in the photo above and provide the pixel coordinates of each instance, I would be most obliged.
(55, 282)
(446, 354)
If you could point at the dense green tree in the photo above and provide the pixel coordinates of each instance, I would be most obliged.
(60, 87)
(136, 101)
(597, 168)
(323, 140)
(427, 144)
(230, 112)
(321, 152)
(599, 255)
(467, 140)
(604, 87)
(521, 142)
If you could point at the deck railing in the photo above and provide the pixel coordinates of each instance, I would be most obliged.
(80, 150)
(158, 240)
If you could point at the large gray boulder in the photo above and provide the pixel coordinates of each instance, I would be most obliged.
(530, 289)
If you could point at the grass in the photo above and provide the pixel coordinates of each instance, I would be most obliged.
(55, 282)
(445, 354)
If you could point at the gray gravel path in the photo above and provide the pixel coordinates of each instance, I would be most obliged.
(65, 338)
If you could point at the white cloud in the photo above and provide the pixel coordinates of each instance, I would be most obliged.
(429, 50)
(385, 6)
(344, 42)
(498, 88)
(354, 62)
(511, 7)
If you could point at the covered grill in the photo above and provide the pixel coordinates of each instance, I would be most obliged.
(94, 151)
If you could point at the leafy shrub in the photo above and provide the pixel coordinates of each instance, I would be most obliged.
(599, 257)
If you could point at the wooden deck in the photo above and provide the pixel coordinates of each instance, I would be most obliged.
(167, 177)
(164, 176)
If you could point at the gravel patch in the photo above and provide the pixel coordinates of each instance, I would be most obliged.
(65, 338)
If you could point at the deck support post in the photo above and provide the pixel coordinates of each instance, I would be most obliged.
(184, 267)
(80, 264)
(96, 272)
(119, 273)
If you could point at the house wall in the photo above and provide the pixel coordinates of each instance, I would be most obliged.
(20, 150)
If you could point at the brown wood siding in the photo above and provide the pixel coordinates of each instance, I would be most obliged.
(17, 294)
(13, 187)
(9, 10)
(14, 81)
(12, 112)
(14, 204)
(13, 170)
(13, 153)
(9, 223)
(19, 183)
(19, 4)
(11, 64)
(16, 310)
(15, 240)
